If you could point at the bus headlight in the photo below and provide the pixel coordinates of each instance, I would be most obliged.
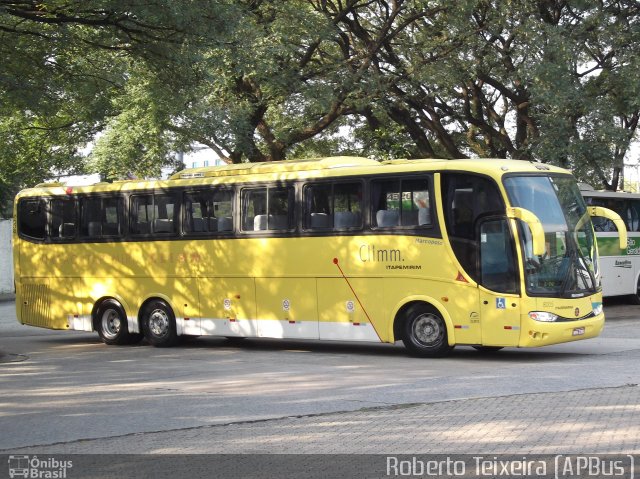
(597, 308)
(543, 316)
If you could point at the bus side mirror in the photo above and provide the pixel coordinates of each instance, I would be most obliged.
(615, 218)
(534, 224)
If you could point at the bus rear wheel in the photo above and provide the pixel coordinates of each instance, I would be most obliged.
(159, 324)
(111, 324)
(425, 332)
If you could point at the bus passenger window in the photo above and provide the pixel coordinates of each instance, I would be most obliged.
(141, 214)
(267, 209)
(112, 216)
(100, 217)
(32, 218)
(164, 214)
(63, 218)
(208, 212)
(154, 214)
(318, 207)
(401, 202)
(336, 205)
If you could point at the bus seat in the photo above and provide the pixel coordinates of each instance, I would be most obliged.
(198, 225)
(94, 228)
(386, 218)
(225, 223)
(345, 219)
(162, 226)
(320, 220)
(67, 229)
(424, 216)
(213, 224)
(260, 223)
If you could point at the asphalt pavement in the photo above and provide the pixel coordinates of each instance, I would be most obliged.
(67, 393)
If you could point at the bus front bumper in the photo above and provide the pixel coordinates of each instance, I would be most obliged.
(538, 333)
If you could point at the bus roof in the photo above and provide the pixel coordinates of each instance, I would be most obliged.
(304, 169)
(610, 194)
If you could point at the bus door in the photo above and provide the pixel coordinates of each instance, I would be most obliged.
(498, 283)
(480, 238)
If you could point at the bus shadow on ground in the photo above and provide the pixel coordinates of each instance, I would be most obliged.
(368, 349)
(248, 345)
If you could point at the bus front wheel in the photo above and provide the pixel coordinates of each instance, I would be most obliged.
(159, 324)
(111, 324)
(425, 332)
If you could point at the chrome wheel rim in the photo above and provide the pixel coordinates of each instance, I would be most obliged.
(159, 323)
(427, 330)
(111, 323)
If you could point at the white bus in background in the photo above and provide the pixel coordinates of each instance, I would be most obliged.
(620, 269)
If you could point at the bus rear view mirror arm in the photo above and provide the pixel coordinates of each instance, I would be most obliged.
(615, 218)
(534, 224)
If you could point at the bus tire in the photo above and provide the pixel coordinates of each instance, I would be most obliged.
(159, 324)
(111, 324)
(425, 332)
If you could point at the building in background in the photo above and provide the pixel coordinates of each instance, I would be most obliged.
(6, 258)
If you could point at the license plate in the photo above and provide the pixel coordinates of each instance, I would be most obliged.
(578, 331)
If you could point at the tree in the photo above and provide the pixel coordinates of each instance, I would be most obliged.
(549, 80)
(66, 66)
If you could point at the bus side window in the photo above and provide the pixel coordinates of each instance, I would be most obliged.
(401, 202)
(32, 218)
(165, 211)
(100, 217)
(63, 218)
(90, 217)
(468, 198)
(631, 216)
(113, 209)
(254, 205)
(279, 205)
(347, 205)
(141, 211)
(333, 206)
(221, 211)
(267, 209)
(318, 211)
(208, 212)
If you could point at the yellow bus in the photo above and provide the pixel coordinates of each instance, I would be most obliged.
(435, 253)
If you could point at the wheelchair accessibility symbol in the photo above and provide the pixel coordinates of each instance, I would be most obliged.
(501, 303)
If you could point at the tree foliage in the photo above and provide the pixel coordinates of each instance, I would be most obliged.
(550, 80)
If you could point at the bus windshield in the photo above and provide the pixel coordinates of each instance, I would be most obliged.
(569, 266)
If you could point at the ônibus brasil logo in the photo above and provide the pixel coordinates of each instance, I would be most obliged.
(33, 467)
